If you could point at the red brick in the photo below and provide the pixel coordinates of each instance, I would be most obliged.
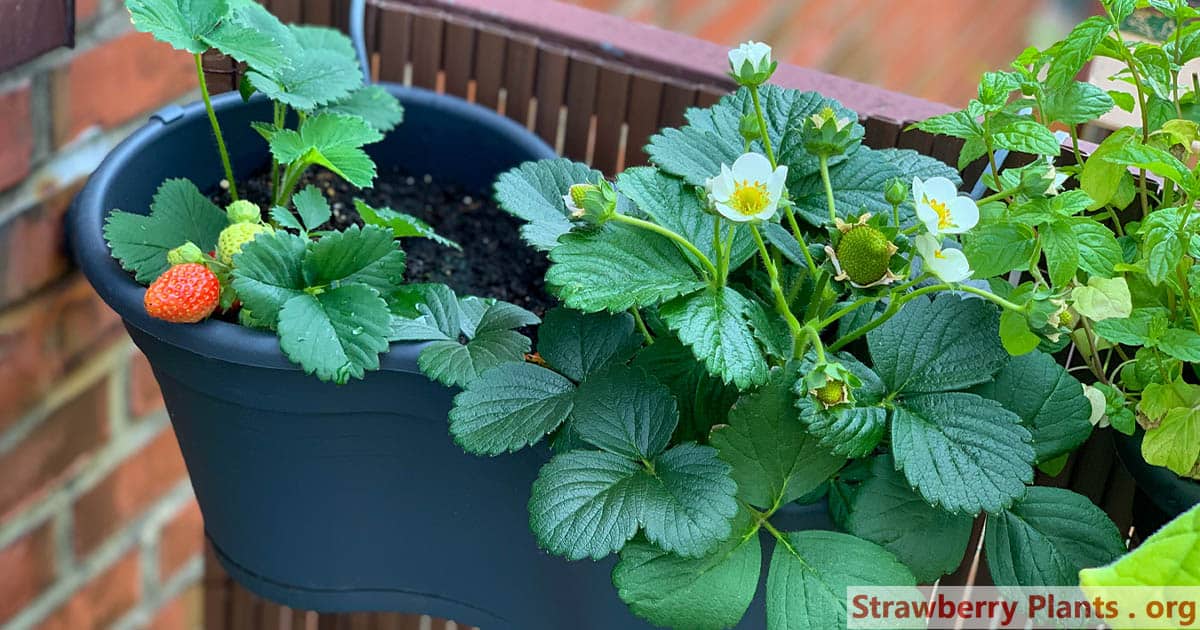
(16, 135)
(144, 395)
(182, 539)
(103, 600)
(26, 569)
(128, 491)
(184, 612)
(53, 449)
(46, 337)
(85, 9)
(33, 247)
(116, 82)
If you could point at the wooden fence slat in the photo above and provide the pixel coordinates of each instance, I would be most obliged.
(881, 133)
(319, 12)
(919, 141)
(612, 100)
(676, 99)
(458, 53)
(645, 100)
(489, 68)
(426, 50)
(550, 90)
(287, 10)
(581, 102)
(707, 97)
(520, 69)
(216, 591)
(395, 28)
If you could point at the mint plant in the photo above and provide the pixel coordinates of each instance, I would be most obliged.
(1110, 264)
(336, 299)
(774, 313)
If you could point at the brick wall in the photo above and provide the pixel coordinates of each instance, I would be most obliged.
(98, 526)
(934, 49)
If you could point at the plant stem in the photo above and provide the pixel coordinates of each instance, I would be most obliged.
(762, 126)
(641, 325)
(216, 127)
(791, 217)
(997, 196)
(280, 117)
(291, 177)
(714, 276)
(828, 188)
(780, 300)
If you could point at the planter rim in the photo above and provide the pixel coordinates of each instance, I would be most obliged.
(213, 338)
(1171, 493)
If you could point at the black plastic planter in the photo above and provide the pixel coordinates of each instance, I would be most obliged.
(350, 498)
(1162, 495)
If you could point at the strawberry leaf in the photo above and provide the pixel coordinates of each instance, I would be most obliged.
(267, 274)
(368, 255)
(336, 334)
(312, 206)
(402, 225)
(333, 141)
(313, 78)
(373, 104)
(178, 214)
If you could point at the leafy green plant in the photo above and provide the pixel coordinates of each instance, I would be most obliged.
(1111, 264)
(335, 298)
(767, 316)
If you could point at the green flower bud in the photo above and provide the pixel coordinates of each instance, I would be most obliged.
(186, 253)
(827, 135)
(896, 191)
(243, 211)
(593, 203)
(750, 64)
(748, 127)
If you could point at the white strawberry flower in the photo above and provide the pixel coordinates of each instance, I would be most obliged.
(1099, 405)
(757, 54)
(1057, 179)
(749, 191)
(947, 263)
(941, 208)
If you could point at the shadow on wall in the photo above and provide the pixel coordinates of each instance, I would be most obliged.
(934, 49)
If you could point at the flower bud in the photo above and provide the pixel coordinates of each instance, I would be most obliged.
(896, 191)
(243, 211)
(186, 253)
(593, 203)
(827, 135)
(750, 64)
(748, 127)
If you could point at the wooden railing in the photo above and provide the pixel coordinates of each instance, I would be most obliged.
(596, 87)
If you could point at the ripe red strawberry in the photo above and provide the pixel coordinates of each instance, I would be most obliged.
(184, 294)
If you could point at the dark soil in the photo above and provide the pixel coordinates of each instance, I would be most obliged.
(494, 261)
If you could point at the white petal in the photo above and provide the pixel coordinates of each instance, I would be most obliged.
(775, 184)
(571, 207)
(964, 215)
(928, 216)
(940, 188)
(731, 214)
(737, 57)
(752, 166)
(721, 186)
(1099, 405)
(927, 245)
(759, 53)
(918, 190)
(951, 266)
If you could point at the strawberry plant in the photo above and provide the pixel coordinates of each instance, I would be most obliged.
(336, 299)
(774, 313)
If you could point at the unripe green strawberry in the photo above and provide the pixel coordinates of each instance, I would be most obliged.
(235, 236)
(243, 211)
(832, 393)
(864, 253)
(183, 294)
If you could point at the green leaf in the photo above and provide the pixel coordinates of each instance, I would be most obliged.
(178, 214)
(282, 217)
(810, 572)
(1103, 298)
(674, 204)
(1048, 399)
(707, 593)
(962, 452)
(1170, 556)
(1162, 247)
(1153, 159)
(994, 249)
(577, 344)
(179, 23)
(336, 335)
(1175, 442)
(267, 273)
(624, 411)
(372, 103)
(252, 35)
(1181, 343)
(1133, 330)
(1047, 537)
(1076, 49)
(619, 266)
(1100, 178)
(313, 208)
(713, 323)
(1076, 103)
(510, 407)
(1026, 136)
(313, 78)
(332, 141)
(887, 512)
(1062, 252)
(703, 400)
(590, 503)
(402, 225)
(1099, 252)
(775, 461)
(849, 430)
(533, 192)
(487, 326)
(456, 364)
(936, 345)
(960, 124)
(365, 255)
(1015, 335)
(324, 38)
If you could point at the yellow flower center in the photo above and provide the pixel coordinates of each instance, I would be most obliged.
(943, 212)
(749, 198)
(937, 253)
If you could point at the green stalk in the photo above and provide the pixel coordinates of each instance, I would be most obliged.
(291, 177)
(780, 300)
(762, 125)
(216, 127)
(683, 242)
(828, 189)
(641, 325)
(280, 116)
